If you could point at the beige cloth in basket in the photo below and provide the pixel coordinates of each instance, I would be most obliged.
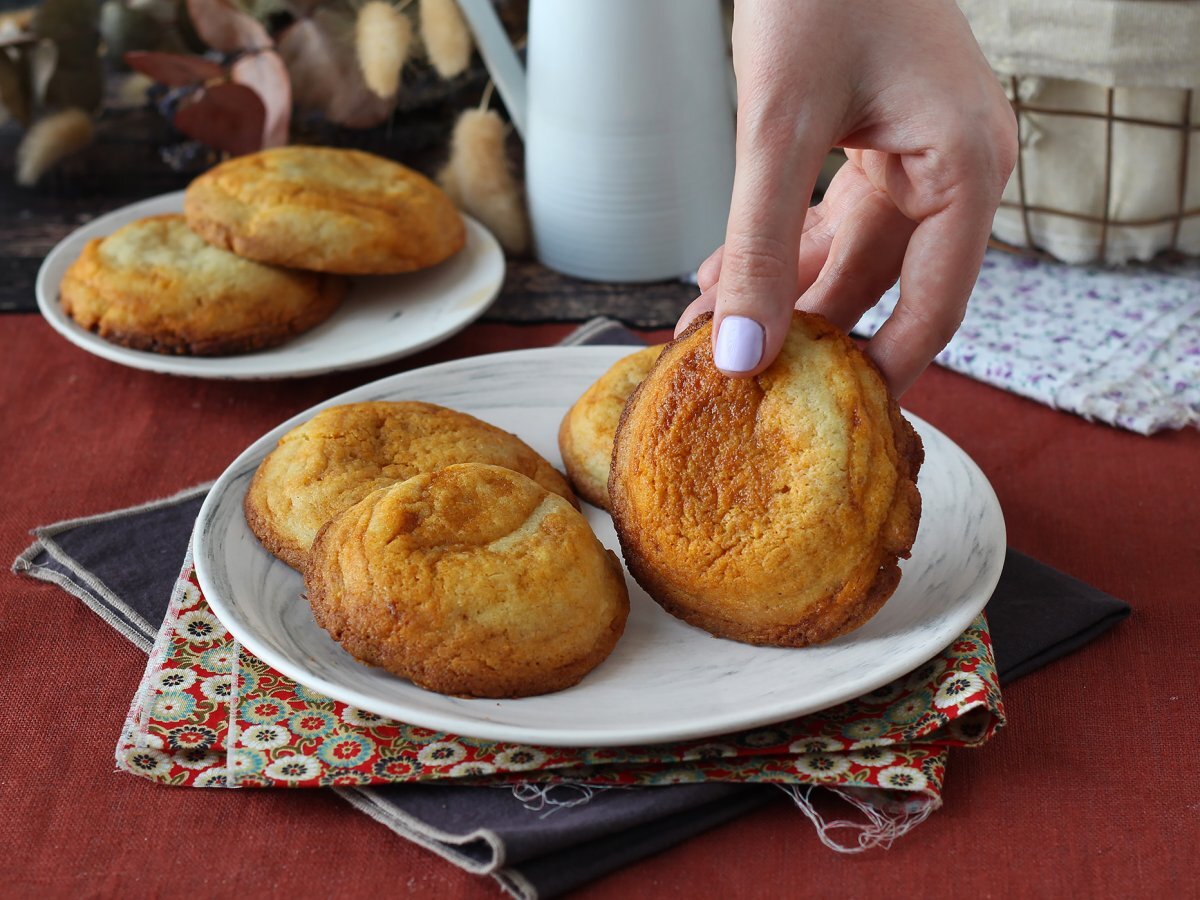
(1130, 43)
(1065, 55)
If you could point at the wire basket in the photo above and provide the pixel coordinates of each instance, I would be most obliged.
(1103, 174)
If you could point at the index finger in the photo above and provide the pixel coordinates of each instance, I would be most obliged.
(774, 175)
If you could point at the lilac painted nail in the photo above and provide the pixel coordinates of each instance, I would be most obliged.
(739, 344)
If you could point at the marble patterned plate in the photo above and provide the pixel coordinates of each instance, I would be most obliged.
(665, 680)
(383, 317)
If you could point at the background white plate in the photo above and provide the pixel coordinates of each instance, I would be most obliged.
(383, 317)
(665, 680)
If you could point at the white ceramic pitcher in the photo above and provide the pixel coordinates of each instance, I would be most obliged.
(627, 115)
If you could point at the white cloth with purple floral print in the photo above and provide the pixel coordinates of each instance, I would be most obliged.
(1121, 345)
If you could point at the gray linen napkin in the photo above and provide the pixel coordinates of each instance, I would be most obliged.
(123, 565)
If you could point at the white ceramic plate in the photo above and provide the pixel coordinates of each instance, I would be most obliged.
(665, 680)
(383, 317)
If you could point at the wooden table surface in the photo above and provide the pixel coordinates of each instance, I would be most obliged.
(1092, 790)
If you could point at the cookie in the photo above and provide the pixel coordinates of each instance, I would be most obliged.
(772, 509)
(325, 466)
(472, 580)
(325, 209)
(155, 285)
(585, 437)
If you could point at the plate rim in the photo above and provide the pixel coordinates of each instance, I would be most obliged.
(635, 733)
(222, 367)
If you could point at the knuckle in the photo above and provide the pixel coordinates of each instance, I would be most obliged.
(969, 164)
(753, 259)
(988, 146)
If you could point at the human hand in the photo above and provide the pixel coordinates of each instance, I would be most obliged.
(930, 142)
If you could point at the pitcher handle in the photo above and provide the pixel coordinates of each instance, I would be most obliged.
(499, 57)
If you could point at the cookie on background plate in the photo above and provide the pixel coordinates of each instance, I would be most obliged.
(155, 285)
(472, 580)
(323, 467)
(585, 437)
(773, 509)
(327, 210)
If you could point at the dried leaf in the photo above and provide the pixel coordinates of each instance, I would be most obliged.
(224, 27)
(312, 62)
(15, 89)
(49, 141)
(311, 55)
(266, 74)
(174, 69)
(225, 117)
(319, 54)
(382, 38)
(448, 42)
(479, 181)
(185, 28)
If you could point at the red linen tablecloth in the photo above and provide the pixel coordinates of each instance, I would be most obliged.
(1093, 789)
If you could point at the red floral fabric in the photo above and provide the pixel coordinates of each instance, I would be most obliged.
(209, 714)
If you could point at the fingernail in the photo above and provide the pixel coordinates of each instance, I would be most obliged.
(739, 344)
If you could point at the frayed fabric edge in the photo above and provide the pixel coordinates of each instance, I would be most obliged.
(884, 817)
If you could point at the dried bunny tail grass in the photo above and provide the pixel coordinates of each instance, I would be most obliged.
(134, 90)
(477, 178)
(447, 41)
(51, 140)
(383, 37)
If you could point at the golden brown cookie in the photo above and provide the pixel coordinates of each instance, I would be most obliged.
(472, 580)
(325, 466)
(325, 209)
(772, 509)
(585, 437)
(155, 285)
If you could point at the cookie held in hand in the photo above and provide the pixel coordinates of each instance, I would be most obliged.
(155, 285)
(472, 580)
(585, 437)
(327, 464)
(773, 509)
(327, 210)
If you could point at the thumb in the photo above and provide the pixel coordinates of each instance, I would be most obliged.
(773, 182)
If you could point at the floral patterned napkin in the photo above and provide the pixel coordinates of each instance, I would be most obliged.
(209, 714)
(1119, 345)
